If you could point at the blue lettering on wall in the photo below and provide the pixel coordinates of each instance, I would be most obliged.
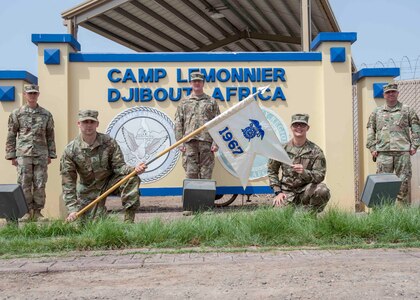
(179, 77)
(278, 73)
(223, 75)
(230, 91)
(130, 98)
(210, 75)
(129, 75)
(233, 75)
(176, 94)
(111, 77)
(160, 94)
(145, 95)
(172, 96)
(113, 95)
(217, 94)
(278, 94)
(159, 74)
(243, 92)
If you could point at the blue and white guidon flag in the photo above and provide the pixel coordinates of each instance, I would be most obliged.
(242, 132)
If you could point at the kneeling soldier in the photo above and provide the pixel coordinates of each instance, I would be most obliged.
(98, 161)
(301, 183)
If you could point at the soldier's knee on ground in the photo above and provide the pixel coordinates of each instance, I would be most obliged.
(323, 192)
(320, 197)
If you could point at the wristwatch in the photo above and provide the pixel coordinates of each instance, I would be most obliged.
(277, 192)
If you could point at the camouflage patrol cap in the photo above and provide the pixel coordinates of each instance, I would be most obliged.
(390, 87)
(196, 76)
(300, 118)
(88, 115)
(31, 88)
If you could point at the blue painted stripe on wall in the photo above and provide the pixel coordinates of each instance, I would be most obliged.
(196, 57)
(376, 72)
(177, 191)
(333, 37)
(56, 38)
(18, 75)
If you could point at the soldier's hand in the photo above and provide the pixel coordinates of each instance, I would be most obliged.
(182, 148)
(298, 168)
(374, 154)
(71, 217)
(140, 168)
(413, 151)
(49, 160)
(279, 200)
(214, 148)
(14, 162)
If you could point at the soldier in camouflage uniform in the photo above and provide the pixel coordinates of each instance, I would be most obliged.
(393, 134)
(301, 183)
(30, 146)
(192, 113)
(99, 162)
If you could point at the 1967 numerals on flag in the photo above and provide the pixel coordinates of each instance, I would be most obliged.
(232, 144)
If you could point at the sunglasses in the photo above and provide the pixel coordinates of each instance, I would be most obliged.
(32, 93)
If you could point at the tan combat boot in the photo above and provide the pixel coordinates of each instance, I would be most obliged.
(129, 216)
(28, 216)
(37, 216)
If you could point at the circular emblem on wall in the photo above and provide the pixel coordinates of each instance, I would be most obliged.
(142, 133)
(259, 168)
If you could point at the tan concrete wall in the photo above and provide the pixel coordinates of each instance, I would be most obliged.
(320, 88)
(84, 96)
(335, 104)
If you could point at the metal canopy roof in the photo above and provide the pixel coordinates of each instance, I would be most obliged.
(201, 25)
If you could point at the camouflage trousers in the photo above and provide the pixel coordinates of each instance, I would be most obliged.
(32, 176)
(198, 160)
(314, 196)
(400, 163)
(128, 191)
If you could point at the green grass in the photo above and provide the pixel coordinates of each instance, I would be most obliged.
(263, 227)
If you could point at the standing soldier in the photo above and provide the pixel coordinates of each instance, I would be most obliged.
(99, 162)
(393, 134)
(301, 183)
(30, 146)
(192, 113)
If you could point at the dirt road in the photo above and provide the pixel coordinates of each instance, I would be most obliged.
(309, 274)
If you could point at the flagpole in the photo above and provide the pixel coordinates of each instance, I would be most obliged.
(216, 120)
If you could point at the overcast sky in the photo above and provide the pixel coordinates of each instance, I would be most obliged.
(387, 29)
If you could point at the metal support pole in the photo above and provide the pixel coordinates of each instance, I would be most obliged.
(72, 27)
(306, 24)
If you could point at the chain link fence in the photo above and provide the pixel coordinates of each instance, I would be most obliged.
(409, 93)
(356, 156)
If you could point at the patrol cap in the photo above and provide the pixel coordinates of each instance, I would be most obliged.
(300, 118)
(31, 88)
(196, 76)
(88, 115)
(391, 87)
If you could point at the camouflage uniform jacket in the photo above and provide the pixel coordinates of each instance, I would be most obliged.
(30, 133)
(192, 113)
(94, 164)
(310, 156)
(388, 129)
